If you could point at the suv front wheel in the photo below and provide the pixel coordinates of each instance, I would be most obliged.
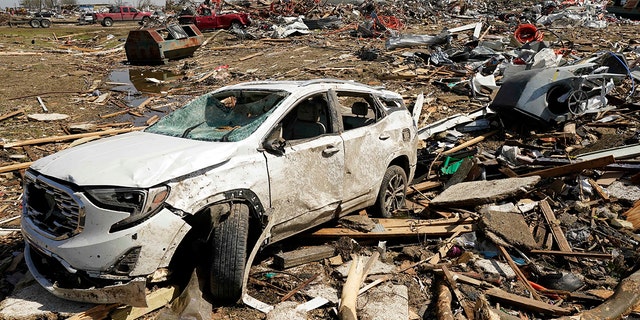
(392, 193)
(229, 254)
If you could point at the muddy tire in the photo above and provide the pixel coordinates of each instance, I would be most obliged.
(392, 193)
(145, 20)
(107, 22)
(229, 255)
(34, 23)
(45, 23)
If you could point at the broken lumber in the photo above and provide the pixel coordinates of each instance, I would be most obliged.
(13, 167)
(100, 311)
(633, 215)
(11, 114)
(423, 186)
(470, 142)
(301, 256)
(518, 273)
(251, 56)
(391, 232)
(299, 287)
(443, 306)
(448, 244)
(68, 137)
(557, 232)
(357, 273)
(462, 299)
(155, 300)
(592, 255)
(526, 303)
(621, 303)
(572, 168)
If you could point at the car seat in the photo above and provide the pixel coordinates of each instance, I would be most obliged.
(307, 123)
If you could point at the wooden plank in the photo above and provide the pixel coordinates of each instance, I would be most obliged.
(391, 222)
(519, 273)
(251, 56)
(299, 287)
(592, 255)
(100, 311)
(633, 215)
(572, 168)
(69, 137)
(508, 172)
(155, 300)
(599, 190)
(423, 186)
(11, 114)
(470, 142)
(301, 256)
(526, 303)
(557, 232)
(448, 244)
(394, 232)
(14, 167)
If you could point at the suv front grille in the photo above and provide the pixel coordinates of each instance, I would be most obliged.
(52, 207)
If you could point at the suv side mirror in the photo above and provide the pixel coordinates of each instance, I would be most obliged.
(274, 142)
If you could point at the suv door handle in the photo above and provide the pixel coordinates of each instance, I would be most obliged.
(384, 136)
(330, 150)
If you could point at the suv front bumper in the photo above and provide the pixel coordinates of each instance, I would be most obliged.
(131, 293)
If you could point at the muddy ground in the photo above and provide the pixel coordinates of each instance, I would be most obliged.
(70, 66)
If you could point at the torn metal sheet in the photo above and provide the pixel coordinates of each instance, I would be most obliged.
(414, 40)
(155, 46)
(451, 122)
(623, 152)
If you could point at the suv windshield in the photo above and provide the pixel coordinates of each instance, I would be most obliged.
(229, 115)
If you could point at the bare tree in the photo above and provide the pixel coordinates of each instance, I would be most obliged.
(67, 3)
(142, 4)
(30, 4)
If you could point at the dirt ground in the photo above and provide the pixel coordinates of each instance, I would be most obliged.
(69, 66)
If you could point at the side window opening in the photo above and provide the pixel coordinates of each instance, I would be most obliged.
(357, 110)
(309, 118)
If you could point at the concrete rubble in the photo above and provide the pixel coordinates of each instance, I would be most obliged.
(528, 136)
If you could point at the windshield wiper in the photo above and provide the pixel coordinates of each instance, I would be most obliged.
(225, 137)
(188, 130)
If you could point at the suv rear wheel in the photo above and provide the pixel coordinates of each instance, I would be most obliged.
(107, 22)
(392, 193)
(229, 254)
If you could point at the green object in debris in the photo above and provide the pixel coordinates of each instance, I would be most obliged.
(451, 165)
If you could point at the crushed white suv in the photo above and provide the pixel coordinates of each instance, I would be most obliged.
(235, 169)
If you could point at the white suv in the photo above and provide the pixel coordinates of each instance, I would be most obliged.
(246, 164)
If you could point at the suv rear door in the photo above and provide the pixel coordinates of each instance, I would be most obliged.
(306, 180)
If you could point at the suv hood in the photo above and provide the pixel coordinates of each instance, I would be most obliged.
(136, 159)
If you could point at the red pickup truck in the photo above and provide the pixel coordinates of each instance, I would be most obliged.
(207, 18)
(121, 13)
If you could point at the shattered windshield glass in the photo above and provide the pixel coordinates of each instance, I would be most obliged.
(229, 115)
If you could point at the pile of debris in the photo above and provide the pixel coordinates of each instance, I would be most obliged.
(526, 197)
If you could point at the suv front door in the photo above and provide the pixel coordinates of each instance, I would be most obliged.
(306, 179)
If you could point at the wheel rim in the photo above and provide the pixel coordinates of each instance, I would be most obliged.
(394, 194)
(577, 102)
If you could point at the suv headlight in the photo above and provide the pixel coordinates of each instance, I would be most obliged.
(140, 203)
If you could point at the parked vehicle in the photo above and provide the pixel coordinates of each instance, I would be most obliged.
(86, 18)
(259, 160)
(206, 18)
(121, 13)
